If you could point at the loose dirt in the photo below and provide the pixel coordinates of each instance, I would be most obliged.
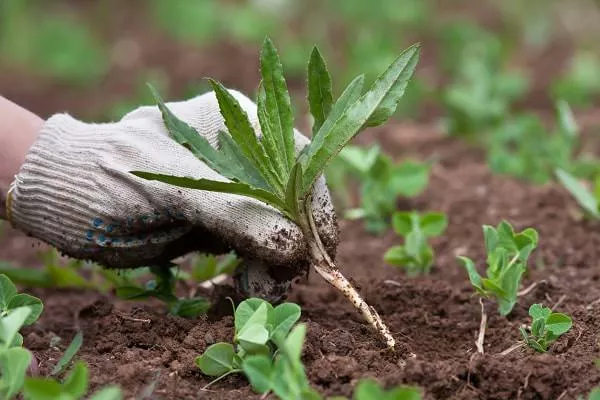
(436, 318)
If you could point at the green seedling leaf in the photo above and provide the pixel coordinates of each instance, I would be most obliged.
(537, 311)
(368, 389)
(216, 186)
(377, 102)
(25, 300)
(583, 196)
(253, 338)
(320, 96)
(43, 389)
(11, 323)
(293, 343)
(284, 317)
(7, 291)
(474, 276)
(259, 370)
(293, 190)
(70, 352)
(217, 360)
(546, 327)
(402, 223)
(190, 308)
(278, 110)
(397, 255)
(207, 266)
(558, 323)
(76, 383)
(253, 310)
(13, 367)
(433, 224)
(108, 393)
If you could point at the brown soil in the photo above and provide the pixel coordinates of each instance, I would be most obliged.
(437, 317)
(151, 354)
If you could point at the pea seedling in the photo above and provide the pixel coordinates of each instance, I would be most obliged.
(381, 183)
(546, 327)
(11, 301)
(416, 255)
(268, 169)
(260, 328)
(587, 199)
(507, 254)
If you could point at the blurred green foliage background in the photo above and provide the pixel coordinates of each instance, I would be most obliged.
(93, 57)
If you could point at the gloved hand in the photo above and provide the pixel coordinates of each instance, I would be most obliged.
(75, 192)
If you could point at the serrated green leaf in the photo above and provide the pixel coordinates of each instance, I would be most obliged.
(238, 188)
(284, 317)
(559, 323)
(320, 96)
(13, 367)
(70, 352)
(76, 383)
(188, 137)
(583, 196)
(348, 97)
(278, 110)
(217, 360)
(7, 291)
(244, 136)
(293, 190)
(269, 139)
(433, 224)
(407, 63)
(375, 102)
(259, 370)
(240, 168)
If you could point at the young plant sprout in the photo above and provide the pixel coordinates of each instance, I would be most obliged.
(587, 199)
(381, 183)
(269, 170)
(507, 254)
(416, 255)
(546, 327)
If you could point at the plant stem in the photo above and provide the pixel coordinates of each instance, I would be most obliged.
(482, 325)
(328, 270)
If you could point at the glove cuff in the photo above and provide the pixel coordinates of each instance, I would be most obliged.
(50, 197)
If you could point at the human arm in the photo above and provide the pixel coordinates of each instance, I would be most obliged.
(18, 130)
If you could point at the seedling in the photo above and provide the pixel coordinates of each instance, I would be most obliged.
(587, 199)
(163, 288)
(10, 301)
(507, 254)
(269, 169)
(522, 147)
(580, 84)
(381, 183)
(208, 266)
(74, 387)
(416, 255)
(546, 327)
(260, 329)
(368, 389)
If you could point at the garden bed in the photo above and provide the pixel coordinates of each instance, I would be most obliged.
(434, 318)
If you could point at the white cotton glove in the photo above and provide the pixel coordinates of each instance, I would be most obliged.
(75, 192)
